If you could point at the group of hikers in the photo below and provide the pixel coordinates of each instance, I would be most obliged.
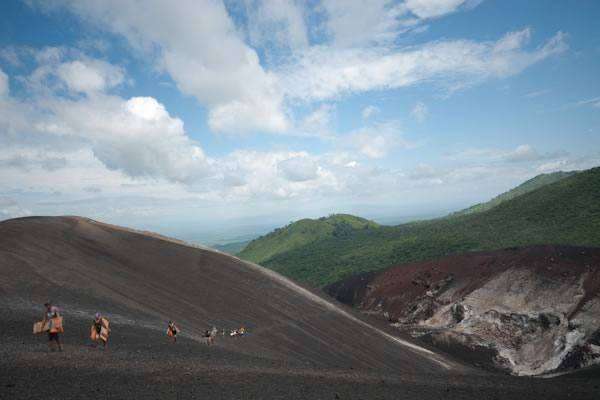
(52, 323)
(209, 334)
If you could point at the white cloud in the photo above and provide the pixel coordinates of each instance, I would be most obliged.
(298, 169)
(11, 56)
(198, 45)
(69, 69)
(136, 136)
(4, 86)
(28, 159)
(324, 72)
(419, 112)
(552, 166)
(433, 8)
(537, 93)
(594, 102)
(424, 171)
(277, 174)
(362, 22)
(522, 153)
(89, 76)
(369, 111)
(11, 209)
(375, 141)
(276, 22)
(318, 122)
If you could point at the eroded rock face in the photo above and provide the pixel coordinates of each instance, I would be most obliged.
(529, 311)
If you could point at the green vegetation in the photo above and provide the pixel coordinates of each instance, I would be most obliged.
(232, 248)
(526, 187)
(564, 212)
(303, 232)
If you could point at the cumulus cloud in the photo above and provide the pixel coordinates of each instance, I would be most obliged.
(277, 174)
(375, 141)
(68, 69)
(89, 76)
(136, 136)
(198, 45)
(298, 169)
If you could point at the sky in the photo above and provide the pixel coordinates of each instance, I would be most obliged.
(224, 117)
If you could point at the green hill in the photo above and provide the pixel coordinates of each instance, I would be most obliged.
(563, 212)
(303, 232)
(526, 187)
(231, 248)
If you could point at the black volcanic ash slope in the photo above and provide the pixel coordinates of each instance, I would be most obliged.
(298, 347)
(85, 266)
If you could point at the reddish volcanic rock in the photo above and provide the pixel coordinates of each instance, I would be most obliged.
(537, 308)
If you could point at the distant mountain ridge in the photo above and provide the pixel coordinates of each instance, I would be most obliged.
(562, 211)
(303, 232)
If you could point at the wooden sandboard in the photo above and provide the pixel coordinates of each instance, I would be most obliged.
(105, 330)
(40, 327)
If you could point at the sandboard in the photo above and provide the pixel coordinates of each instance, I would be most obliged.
(105, 330)
(93, 333)
(40, 327)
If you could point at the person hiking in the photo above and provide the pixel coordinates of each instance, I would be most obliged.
(172, 331)
(100, 330)
(209, 337)
(53, 321)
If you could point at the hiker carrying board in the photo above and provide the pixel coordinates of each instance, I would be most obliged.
(172, 331)
(51, 323)
(100, 330)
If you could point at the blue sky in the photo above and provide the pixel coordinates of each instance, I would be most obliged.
(229, 115)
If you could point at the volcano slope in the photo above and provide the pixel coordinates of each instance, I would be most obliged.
(299, 345)
(529, 310)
